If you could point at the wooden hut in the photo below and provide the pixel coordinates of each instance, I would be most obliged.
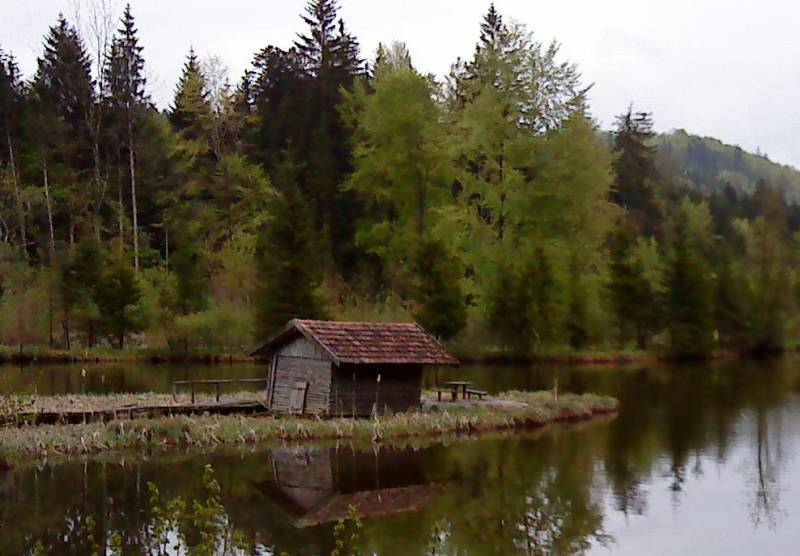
(348, 368)
(320, 485)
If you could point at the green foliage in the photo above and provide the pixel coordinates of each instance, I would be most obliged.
(118, 296)
(191, 272)
(636, 174)
(689, 283)
(636, 286)
(81, 272)
(402, 170)
(346, 534)
(224, 325)
(482, 203)
(288, 268)
(709, 164)
(522, 303)
(765, 286)
(437, 292)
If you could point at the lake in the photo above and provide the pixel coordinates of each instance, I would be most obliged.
(702, 459)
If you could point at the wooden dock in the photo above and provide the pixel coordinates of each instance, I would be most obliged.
(134, 412)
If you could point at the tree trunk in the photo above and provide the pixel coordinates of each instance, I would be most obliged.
(66, 330)
(131, 161)
(71, 233)
(101, 190)
(49, 210)
(23, 232)
(120, 211)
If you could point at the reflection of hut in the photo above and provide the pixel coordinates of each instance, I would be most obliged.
(320, 485)
(348, 368)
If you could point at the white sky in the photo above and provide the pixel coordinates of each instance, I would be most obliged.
(727, 69)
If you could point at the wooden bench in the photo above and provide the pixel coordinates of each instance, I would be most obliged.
(453, 393)
(479, 393)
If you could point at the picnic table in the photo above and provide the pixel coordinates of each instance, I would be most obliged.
(454, 385)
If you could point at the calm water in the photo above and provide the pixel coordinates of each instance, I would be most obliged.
(701, 460)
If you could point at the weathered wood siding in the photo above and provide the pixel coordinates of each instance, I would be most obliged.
(304, 475)
(355, 389)
(297, 361)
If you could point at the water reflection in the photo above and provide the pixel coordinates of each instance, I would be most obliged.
(105, 378)
(701, 459)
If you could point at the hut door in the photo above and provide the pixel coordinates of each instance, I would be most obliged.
(297, 398)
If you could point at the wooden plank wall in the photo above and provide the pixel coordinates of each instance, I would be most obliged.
(298, 361)
(303, 474)
(399, 390)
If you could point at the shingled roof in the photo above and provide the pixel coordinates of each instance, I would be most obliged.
(365, 342)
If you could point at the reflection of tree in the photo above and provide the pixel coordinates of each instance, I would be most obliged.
(554, 524)
(765, 478)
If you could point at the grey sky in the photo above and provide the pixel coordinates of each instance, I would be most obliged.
(713, 67)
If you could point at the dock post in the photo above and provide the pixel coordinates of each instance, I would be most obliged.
(192, 382)
(217, 384)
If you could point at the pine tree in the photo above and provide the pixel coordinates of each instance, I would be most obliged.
(509, 312)
(730, 307)
(11, 114)
(80, 276)
(635, 171)
(634, 296)
(64, 94)
(437, 292)
(191, 272)
(330, 56)
(689, 284)
(288, 263)
(125, 86)
(491, 27)
(190, 113)
(118, 295)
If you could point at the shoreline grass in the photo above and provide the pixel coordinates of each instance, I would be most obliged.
(170, 433)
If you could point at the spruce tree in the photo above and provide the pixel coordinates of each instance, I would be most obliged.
(190, 269)
(330, 56)
(118, 295)
(689, 283)
(509, 312)
(491, 26)
(190, 113)
(127, 99)
(288, 263)
(64, 95)
(437, 293)
(635, 171)
(635, 300)
(12, 98)
(80, 276)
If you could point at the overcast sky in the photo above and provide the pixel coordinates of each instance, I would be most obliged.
(713, 67)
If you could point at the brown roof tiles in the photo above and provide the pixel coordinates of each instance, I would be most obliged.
(368, 342)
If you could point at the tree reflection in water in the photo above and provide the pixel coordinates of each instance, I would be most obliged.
(726, 430)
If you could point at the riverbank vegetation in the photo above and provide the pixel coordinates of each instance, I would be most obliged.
(532, 409)
(487, 204)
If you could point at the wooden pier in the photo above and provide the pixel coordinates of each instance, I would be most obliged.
(134, 412)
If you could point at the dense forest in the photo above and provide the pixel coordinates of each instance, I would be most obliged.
(487, 204)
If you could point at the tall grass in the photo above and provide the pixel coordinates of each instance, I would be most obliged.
(166, 433)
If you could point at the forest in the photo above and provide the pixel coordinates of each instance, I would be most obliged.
(487, 204)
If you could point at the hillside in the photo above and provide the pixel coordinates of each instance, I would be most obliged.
(708, 163)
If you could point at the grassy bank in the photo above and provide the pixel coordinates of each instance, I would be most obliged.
(30, 354)
(166, 433)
